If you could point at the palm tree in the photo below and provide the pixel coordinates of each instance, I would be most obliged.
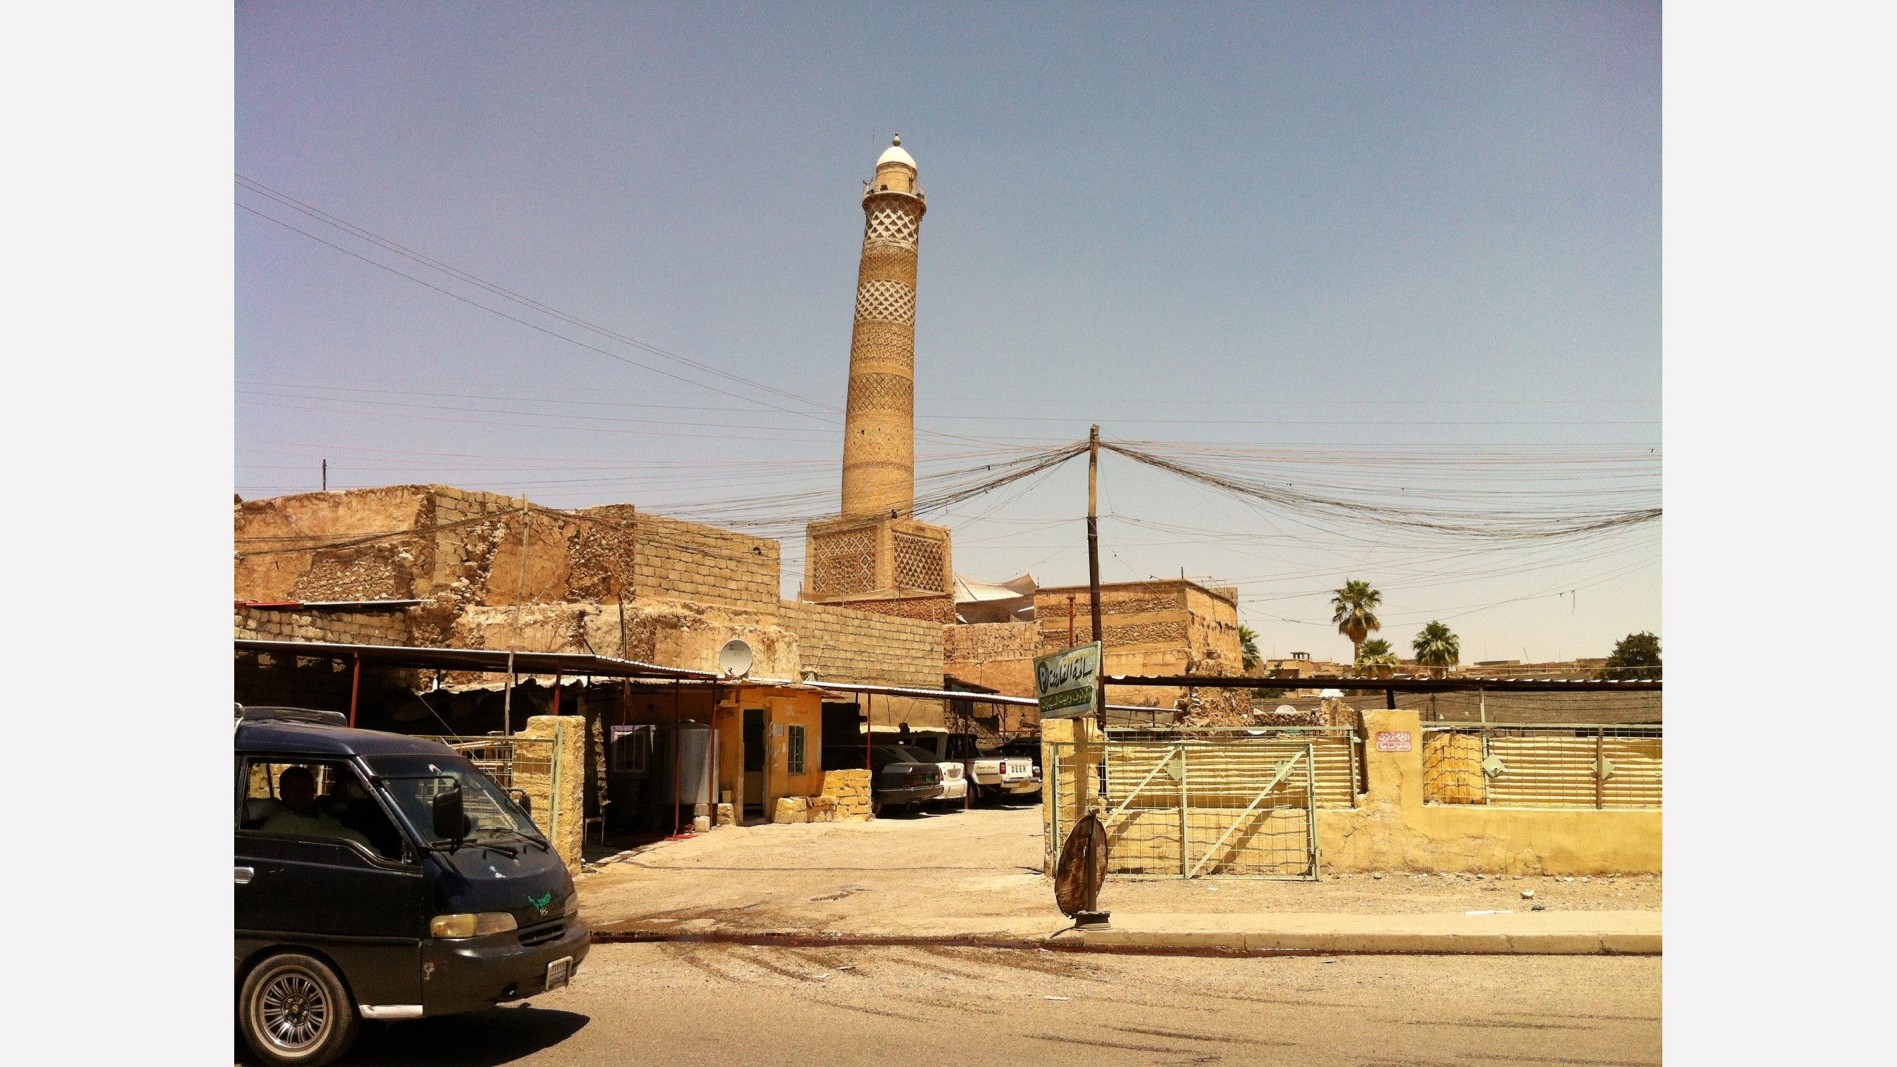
(1437, 647)
(1376, 652)
(1353, 609)
(1248, 647)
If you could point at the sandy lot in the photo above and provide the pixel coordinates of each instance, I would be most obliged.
(980, 870)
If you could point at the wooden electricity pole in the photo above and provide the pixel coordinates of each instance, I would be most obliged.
(1093, 574)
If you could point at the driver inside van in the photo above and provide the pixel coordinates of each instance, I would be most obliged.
(300, 816)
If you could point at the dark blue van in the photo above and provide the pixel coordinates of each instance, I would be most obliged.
(381, 876)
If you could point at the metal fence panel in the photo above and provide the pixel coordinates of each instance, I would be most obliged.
(1233, 804)
(1519, 766)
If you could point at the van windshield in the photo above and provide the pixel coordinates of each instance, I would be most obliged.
(413, 781)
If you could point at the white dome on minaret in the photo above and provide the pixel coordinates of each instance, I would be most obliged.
(895, 154)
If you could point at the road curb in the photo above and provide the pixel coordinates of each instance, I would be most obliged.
(1186, 942)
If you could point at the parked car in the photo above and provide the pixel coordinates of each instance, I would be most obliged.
(954, 795)
(901, 777)
(418, 888)
(1027, 750)
(989, 777)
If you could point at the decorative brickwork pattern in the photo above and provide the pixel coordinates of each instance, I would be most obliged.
(938, 609)
(986, 642)
(882, 300)
(882, 392)
(893, 221)
(896, 263)
(842, 563)
(919, 563)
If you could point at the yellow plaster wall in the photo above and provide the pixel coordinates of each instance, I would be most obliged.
(1393, 830)
(1390, 828)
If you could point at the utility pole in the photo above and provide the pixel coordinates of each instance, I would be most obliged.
(1093, 574)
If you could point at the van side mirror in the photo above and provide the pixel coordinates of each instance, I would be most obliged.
(519, 796)
(445, 812)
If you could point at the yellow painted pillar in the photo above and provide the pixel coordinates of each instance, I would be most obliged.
(1393, 758)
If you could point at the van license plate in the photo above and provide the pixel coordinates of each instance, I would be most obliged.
(557, 972)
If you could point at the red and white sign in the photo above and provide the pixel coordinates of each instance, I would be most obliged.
(1394, 741)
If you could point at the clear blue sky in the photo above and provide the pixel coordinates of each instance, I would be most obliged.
(1402, 254)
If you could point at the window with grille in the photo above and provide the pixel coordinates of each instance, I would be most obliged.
(796, 734)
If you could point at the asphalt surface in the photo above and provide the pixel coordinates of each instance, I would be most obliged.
(683, 1004)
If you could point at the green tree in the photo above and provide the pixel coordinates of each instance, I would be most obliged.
(1634, 656)
(1354, 610)
(1376, 652)
(1436, 646)
(1248, 647)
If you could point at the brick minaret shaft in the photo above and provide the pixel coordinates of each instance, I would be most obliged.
(879, 425)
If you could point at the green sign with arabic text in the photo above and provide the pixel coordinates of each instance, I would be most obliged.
(1065, 682)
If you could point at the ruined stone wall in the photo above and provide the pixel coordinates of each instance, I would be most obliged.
(999, 655)
(360, 545)
(1213, 632)
(685, 561)
(341, 627)
(465, 549)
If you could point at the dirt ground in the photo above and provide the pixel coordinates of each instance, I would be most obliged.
(980, 869)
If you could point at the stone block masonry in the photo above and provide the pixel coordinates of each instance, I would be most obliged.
(849, 793)
(340, 627)
(685, 561)
(843, 643)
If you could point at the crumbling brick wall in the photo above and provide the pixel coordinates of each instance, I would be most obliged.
(999, 655)
(465, 549)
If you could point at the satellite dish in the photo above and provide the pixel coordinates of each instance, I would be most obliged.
(735, 659)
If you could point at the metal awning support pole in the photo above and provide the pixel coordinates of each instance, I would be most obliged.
(557, 675)
(355, 688)
(678, 757)
(711, 762)
(507, 699)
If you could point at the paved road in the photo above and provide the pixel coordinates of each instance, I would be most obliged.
(726, 1005)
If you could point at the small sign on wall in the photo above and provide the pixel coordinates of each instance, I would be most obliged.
(1394, 741)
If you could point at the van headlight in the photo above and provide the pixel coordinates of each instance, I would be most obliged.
(471, 924)
(571, 907)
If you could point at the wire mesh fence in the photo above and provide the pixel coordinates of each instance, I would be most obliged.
(1220, 802)
(1527, 766)
(507, 760)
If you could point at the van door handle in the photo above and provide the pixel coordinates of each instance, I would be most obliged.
(244, 875)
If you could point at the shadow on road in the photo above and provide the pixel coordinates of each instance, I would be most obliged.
(484, 1039)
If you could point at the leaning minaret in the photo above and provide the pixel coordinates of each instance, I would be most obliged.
(875, 555)
(879, 427)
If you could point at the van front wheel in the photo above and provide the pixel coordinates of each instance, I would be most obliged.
(295, 1011)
